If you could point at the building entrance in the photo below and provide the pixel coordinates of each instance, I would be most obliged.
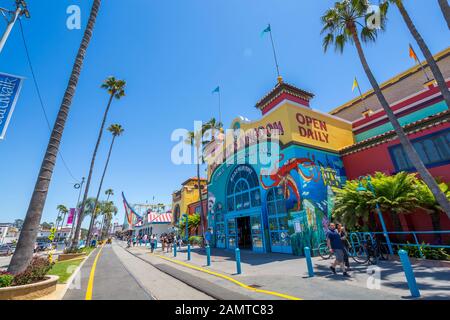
(244, 233)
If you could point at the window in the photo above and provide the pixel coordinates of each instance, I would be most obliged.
(434, 150)
(278, 221)
(243, 189)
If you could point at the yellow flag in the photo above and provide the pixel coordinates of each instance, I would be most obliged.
(355, 84)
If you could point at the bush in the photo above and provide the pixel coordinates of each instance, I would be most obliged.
(196, 240)
(6, 279)
(35, 272)
(428, 252)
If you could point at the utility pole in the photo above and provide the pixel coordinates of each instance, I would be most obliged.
(21, 9)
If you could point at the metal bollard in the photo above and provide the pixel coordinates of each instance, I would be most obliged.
(189, 252)
(409, 274)
(309, 262)
(208, 256)
(238, 261)
(175, 250)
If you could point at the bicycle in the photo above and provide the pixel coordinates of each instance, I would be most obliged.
(357, 253)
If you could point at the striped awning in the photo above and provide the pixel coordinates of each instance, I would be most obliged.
(159, 217)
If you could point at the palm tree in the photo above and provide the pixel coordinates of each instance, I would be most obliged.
(395, 194)
(62, 212)
(352, 207)
(424, 48)
(196, 139)
(109, 211)
(108, 193)
(24, 250)
(445, 11)
(116, 130)
(341, 24)
(116, 89)
(430, 205)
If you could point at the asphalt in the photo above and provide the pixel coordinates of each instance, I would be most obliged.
(112, 280)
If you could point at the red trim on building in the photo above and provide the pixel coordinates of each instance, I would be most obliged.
(381, 113)
(280, 98)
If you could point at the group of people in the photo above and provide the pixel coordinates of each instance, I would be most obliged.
(338, 244)
(140, 240)
(168, 240)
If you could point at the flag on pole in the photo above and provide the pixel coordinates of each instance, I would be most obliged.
(355, 84)
(413, 54)
(216, 90)
(266, 30)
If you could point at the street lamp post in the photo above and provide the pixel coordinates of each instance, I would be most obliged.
(377, 206)
(80, 187)
(21, 9)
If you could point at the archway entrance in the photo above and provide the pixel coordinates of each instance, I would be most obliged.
(244, 233)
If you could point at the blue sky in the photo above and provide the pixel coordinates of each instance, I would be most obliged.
(172, 54)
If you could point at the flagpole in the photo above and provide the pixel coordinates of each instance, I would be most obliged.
(220, 112)
(274, 51)
(420, 63)
(361, 96)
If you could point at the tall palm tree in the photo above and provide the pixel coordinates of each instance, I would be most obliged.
(116, 130)
(61, 217)
(24, 250)
(115, 89)
(109, 211)
(424, 48)
(109, 193)
(196, 140)
(445, 11)
(341, 25)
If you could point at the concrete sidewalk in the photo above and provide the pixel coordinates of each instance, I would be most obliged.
(288, 275)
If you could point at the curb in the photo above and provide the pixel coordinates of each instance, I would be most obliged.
(74, 274)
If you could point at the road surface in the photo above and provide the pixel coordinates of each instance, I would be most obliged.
(112, 273)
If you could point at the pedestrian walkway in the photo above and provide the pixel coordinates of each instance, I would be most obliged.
(287, 274)
(112, 281)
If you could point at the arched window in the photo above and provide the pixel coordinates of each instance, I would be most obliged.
(176, 214)
(243, 189)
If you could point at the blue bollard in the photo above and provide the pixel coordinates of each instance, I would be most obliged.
(238, 261)
(208, 256)
(189, 252)
(409, 274)
(175, 250)
(309, 262)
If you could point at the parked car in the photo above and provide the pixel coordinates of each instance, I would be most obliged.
(43, 246)
(6, 250)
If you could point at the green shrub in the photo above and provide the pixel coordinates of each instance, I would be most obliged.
(428, 252)
(196, 240)
(6, 279)
(35, 272)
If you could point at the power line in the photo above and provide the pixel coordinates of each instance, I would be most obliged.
(41, 102)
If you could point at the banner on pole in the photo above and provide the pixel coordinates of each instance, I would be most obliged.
(10, 87)
(71, 216)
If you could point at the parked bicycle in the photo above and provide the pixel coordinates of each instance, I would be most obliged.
(358, 253)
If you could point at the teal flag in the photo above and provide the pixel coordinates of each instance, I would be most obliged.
(216, 90)
(268, 29)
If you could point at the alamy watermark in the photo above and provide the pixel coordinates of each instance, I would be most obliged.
(73, 21)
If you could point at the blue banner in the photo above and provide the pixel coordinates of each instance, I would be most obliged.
(9, 93)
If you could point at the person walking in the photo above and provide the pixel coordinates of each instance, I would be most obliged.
(335, 245)
(208, 236)
(344, 238)
(152, 243)
(163, 241)
(134, 241)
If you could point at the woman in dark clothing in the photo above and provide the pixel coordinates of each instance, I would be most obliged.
(343, 234)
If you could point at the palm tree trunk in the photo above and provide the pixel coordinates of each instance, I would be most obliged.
(426, 52)
(406, 143)
(24, 251)
(88, 182)
(445, 11)
(100, 188)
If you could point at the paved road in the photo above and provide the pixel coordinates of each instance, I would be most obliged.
(122, 276)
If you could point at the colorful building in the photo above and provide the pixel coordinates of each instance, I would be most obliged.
(188, 194)
(286, 205)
